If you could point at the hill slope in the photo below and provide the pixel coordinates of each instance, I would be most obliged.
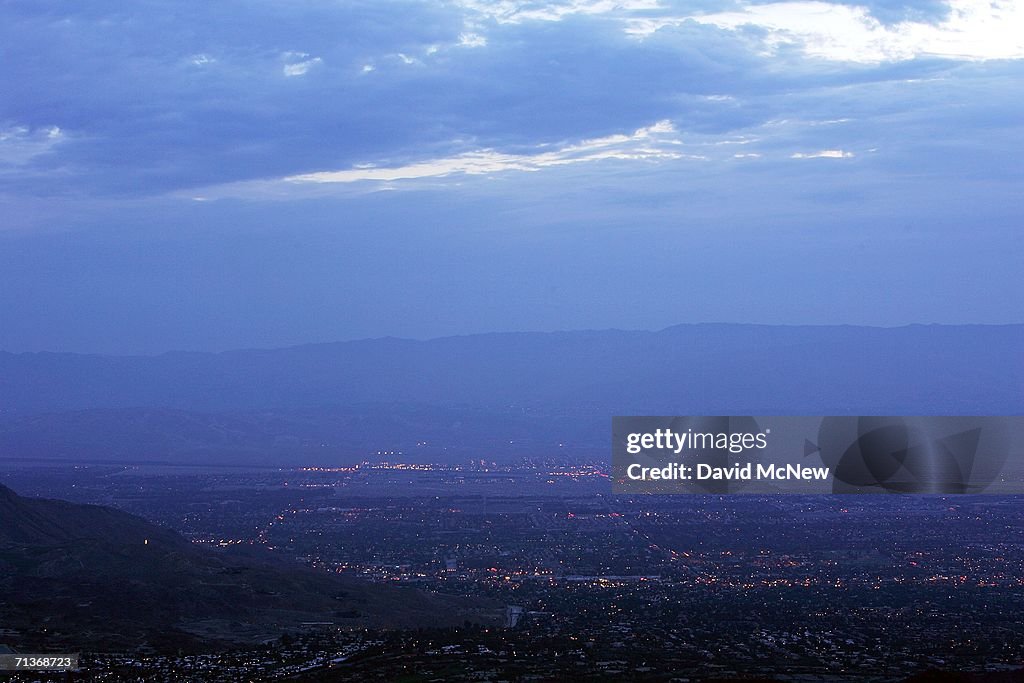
(87, 576)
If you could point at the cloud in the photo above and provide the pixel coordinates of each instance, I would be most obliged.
(519, 11)
(855, 31)
(973, 30)
(462, 88)
(823, 154)
(658, 141)
(20, 145)
(301, 67)
(472, 40)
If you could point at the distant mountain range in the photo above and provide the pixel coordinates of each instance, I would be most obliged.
(480, 392)
(99, 575)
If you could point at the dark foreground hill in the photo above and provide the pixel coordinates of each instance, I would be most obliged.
(85, 576)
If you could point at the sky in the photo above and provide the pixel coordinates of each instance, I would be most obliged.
(209, 176)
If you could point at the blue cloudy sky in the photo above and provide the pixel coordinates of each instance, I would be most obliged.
(235, 174)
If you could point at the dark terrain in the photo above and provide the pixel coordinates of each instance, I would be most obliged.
(89, 576)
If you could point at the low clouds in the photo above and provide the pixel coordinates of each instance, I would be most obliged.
(658, 141)
(657, 144)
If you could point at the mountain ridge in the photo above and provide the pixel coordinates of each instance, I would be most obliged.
(478, 393)
(618, 370)
(507, 333)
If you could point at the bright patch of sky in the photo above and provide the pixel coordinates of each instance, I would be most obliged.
(974, 30)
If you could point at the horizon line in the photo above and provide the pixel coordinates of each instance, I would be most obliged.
(424, 340)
